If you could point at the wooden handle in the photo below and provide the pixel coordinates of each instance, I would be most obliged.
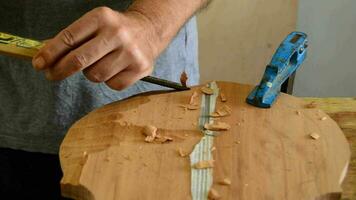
(19, 47)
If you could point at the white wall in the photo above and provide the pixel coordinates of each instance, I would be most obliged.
(330, 69)
(238, 37)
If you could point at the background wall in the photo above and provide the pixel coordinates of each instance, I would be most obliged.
(330, 69)
(238, 38)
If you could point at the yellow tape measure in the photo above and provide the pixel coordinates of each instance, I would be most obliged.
(18, 46)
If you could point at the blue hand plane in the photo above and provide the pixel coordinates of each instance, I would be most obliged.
(287, 59)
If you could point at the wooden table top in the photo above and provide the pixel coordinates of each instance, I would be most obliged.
(343, 111)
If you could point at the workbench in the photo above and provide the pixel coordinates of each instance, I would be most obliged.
(343, 111)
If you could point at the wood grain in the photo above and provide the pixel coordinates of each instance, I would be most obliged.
(343, 111)
(267, 153)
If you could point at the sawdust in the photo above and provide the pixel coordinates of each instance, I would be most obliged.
(207, 90)
(204, 164)
(217, 126)
(213, 194)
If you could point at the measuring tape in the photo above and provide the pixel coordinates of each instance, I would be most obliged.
(18, 46)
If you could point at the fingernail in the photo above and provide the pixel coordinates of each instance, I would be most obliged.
(39, 62)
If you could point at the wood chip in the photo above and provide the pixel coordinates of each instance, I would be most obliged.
(312, 104)
(150, 132)
(323, 118)
(298, 112)
(204, 164)
(182, 153)
(225, 181)
(213, 149)
(217, 126)
(225, 110)
(207, 90)
(222, 97)
(193, 98)
(213, 194)
(183, 79)
(315, 136)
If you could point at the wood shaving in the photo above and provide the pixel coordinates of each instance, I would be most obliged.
(314, 136)
(237, 142)
(150, 132)
(182, 153)
(204, 164)
(193, 98)
(183, 79)
(217, 126)
(207, 90)
(222, 97)
(298, 112)
(190, 107)
(312, 104)
(225, 181)
(164, 139)
(323, 118)
(213, 194)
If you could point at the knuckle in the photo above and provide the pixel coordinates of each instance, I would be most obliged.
(94, 77)
(123, 34)
(67, 38)
(46, 55)
(79, 61)
(103, 10)
(104, 13)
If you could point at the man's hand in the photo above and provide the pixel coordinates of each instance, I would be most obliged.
(111, 47)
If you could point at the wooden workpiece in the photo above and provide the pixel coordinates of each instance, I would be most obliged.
(265, 154)
(343, 111)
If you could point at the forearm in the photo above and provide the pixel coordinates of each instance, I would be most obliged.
(167, 16)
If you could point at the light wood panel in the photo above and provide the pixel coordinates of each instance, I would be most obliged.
(267, 153)
(238, 38)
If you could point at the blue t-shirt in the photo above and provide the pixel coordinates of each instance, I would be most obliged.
(35, 113)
